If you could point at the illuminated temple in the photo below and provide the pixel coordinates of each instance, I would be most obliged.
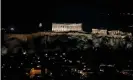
(65, 27)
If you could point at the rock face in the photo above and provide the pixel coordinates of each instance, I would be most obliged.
(13, 45)
(48, 41)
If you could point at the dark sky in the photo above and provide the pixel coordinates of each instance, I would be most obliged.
(95, 13)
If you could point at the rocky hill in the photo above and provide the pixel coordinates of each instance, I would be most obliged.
(49, 41)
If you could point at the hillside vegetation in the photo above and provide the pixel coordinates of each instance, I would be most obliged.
(68, 43)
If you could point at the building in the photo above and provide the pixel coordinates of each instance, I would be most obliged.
(99, 31)
(56, 27)
(115, 32)
(95, 31)
(103, 32)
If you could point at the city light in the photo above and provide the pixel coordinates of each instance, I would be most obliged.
(38, 58)
(64, 54)
(126, 14)
(12, 29)
(24, 52)
(22, 63)
(10, 67)
(40, 25)
(38, 66)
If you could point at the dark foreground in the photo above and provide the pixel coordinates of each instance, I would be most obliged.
(63, 58)
(66, 66)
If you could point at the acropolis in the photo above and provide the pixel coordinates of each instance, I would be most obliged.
(72, 29)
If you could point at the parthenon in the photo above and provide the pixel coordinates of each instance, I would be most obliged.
(66, 27)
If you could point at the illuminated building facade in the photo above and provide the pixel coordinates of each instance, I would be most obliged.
(95, 31)
(112, 33)
(66, 27)
(115, 32)
(99, 31)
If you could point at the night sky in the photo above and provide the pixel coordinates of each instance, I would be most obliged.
(26, 15)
